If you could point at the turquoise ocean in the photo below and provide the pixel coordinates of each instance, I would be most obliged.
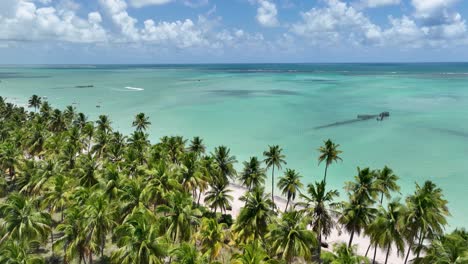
(250, 106)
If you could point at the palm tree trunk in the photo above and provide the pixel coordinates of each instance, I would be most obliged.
(375, 253)
(287, 204)
(319, 248)
(421, 240)
(52, 241)
(368, 248)
(388, 253)
(199, 197)
(273, 186)
(325, 177)
(351, 239)
(409, 250)
(381, 199)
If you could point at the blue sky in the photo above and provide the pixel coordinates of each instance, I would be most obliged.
(217, 31)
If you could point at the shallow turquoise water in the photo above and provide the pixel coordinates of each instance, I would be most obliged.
(248, 107)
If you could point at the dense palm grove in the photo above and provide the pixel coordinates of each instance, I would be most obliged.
(76, 191)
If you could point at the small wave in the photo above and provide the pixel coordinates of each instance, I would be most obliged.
(134, 88)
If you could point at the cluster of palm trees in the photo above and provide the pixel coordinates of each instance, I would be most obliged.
(76, 191)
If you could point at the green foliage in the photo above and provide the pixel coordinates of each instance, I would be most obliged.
(77, 191)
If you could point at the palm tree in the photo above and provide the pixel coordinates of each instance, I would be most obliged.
(273, 158)
(34, 101)
(355, 216)
(197, 146)
(141, 122)
(18, 252)
(329, 153)
(291, 238)
(73, 240)
(186, 253)
(218, 197)
(9, 158)
(224, 163)
(251, 224)
(320, 209)
(22, 221)
(345, 255)
(290, 185)
(386, 183)
(427, 215)
(253, 175)
(191, 173)
(252, 253)
(387, 228)
(181, 217)
(364, 189)
(100, 215)
(104, 124)
(138, 241)
(212, 237)
(447, 249)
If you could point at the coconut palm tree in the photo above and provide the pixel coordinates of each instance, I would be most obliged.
(252, 222)
(364, 188)
(253, 175)
(10, 157)
(446, 249)
(104, 124)
(291, 238)
(290, 185)
(197, 146)
(16, 252)
(387, 229)
(355, 216)
(181, 217)
(427, 215)
(386, 183)
(73, 240)
(34, 101)
(345, 255)
(218, 197)
(320, 209)
(253, 253)
(100, 215)
(186, 253)
(329, 153)
(224, 163)
(212, 237)
(274, 158)
(138, 241)
(141, 122)
(22, 221)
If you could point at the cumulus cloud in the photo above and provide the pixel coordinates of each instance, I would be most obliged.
(267, 13)
(336, 22)
(27, 22)
(428, 7)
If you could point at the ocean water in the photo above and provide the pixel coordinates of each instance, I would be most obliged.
(250, 106)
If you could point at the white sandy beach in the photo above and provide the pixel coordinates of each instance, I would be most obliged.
(335, 237)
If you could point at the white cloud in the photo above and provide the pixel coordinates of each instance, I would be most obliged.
(379, 3)
(26, 22)
(142, 3)
(196, 3)
(427, 7)
(117, 10)
(267, 13)
(182, 34)
(336, 22)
